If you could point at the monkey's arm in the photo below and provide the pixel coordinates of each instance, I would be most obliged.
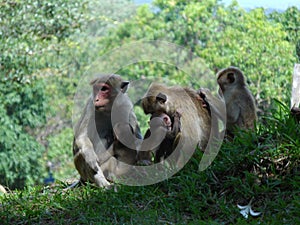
(176, 124)
(85, 157)
(144, 157)
(122, 156)
(153, 138)
(233, 112)
(215, 104)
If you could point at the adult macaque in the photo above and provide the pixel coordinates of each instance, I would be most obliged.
(240, 104)
(103, 148)
(194, 123)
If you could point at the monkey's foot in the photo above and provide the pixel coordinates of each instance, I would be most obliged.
(101, 181)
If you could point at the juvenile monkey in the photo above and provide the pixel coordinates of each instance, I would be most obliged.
(163, 125)
(240, 104)
(172, 137)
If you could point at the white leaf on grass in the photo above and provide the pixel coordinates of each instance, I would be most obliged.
(252, 213)
(246, 210)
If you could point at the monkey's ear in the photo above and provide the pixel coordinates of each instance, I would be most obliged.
(94, 81)
(124, 86)
(230, 77)
(161, 97)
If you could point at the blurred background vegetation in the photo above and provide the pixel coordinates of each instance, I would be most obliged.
(47, 47)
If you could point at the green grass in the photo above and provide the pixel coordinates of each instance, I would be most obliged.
(261, 165)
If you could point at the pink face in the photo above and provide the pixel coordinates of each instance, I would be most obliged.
(165, 118)
(101, 93)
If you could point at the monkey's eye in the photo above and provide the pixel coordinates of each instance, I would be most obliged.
(162, 98)
(230, 77)
(104, 88)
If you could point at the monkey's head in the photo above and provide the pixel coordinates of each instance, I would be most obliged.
(105, 90)
(155, 104)
(230, 77)
(166, 121)
(158, 104)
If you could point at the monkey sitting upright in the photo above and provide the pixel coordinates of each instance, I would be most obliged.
(240, 104)
(102, 149)
(190, 119)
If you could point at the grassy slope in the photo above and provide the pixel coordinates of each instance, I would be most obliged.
(262, 166)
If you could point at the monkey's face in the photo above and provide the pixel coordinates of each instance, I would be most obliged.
(158, 103)
(105, 90)
(161, 109)
(165, 120)
(102, 94)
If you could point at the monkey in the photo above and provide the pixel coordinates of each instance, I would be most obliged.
(240, 104)
(99, 153)
(195, 119)
(172, 135)
(295, 111)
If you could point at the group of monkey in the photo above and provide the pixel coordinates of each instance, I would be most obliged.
(108, 141)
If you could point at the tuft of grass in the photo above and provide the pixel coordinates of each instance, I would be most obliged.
(260, 165)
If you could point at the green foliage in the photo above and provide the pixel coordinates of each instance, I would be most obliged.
(250, 42)
(221, 36)
(28, 28)
(261, 165)
(59, 153)
(31, 33)
(46, 47)
(20, 101)
(19, 153)
(290, 20)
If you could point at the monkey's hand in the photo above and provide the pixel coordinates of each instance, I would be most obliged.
(176, 141)
(203, 98)
(176, 126)
(177, 114)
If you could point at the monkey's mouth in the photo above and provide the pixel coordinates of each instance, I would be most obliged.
(99, 108)
(101, 104)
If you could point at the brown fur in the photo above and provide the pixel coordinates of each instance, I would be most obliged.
(240, 104)
(99, 154)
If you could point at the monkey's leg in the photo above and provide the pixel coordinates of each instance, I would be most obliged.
(86, 163)
(114, 168)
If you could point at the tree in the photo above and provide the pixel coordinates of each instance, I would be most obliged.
(221, 36)
(31, 33)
